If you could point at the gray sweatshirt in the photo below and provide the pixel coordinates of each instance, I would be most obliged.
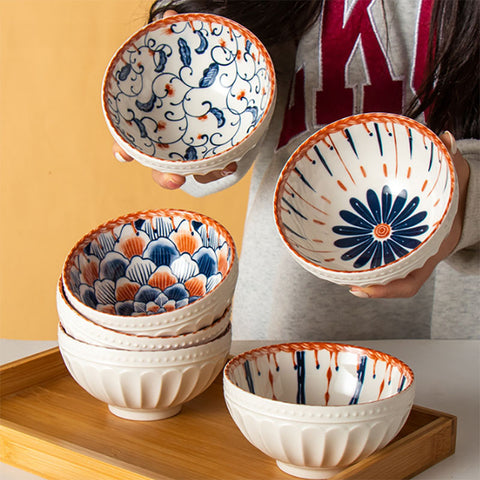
(344, 65)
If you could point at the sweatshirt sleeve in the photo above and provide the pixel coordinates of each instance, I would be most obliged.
(466, 256)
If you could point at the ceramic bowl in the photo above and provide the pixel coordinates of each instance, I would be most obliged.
(83, 329)
(318, 407)
(189, 94)
(366, 199)
(144, 385)
(154, 273)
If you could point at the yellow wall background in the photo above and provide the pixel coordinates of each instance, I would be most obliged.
(58, 178)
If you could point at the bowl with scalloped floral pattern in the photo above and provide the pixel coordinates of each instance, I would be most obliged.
(189, 93)
(317, 408)
(154, 273)
(366, 199)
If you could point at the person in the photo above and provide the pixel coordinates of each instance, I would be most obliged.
(335, 58)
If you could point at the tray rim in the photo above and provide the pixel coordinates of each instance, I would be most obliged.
(19, 376)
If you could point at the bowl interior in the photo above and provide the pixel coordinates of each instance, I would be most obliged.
(149, 262)
(188, 87)
(319, 374)
(364, 192)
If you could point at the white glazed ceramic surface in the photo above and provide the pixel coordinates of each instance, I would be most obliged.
(366, 199)
(83, 329)
(189, 93)
(316, 408)
(154, 273)
(144, 385)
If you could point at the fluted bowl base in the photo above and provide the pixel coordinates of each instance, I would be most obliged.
(145, 415)
(313, 473)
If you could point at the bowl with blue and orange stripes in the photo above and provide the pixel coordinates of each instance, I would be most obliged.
(367, 199)
(316, 407)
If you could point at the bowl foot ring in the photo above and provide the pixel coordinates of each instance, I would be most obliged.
(145, 414)
(312, 473)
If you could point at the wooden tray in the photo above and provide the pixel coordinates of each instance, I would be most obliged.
(50, 426)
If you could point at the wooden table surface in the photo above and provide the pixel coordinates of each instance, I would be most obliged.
(447, 374)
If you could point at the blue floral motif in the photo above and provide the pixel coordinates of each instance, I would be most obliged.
(381, 230)
(189, 94)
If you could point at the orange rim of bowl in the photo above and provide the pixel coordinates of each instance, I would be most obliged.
(189, 17)
(333, 128)
(333, 348)
(146, 215)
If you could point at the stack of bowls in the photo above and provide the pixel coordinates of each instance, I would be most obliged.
(144, 308)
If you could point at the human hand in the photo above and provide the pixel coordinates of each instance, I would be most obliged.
(411, 284)
(172, 181)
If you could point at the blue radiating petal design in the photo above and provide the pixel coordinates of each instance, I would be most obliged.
(366, 255)
(374, 204)
(363, 211)
(407, 211)
(386, 202)
(413, 232)
(353, 219)
(397, 249)
(388, 253)
(352, 241)
(345, 230)
(409, 221)
(406, 242)
(354, 252)
(393, 214)
(397, 207)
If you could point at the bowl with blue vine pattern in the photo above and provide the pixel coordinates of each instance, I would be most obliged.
(189, 94)
(366, 199)
(153, 273)
(317, 408)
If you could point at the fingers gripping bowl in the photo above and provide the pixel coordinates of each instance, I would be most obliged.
(189, 94)
(318, 407)
(367, 199)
